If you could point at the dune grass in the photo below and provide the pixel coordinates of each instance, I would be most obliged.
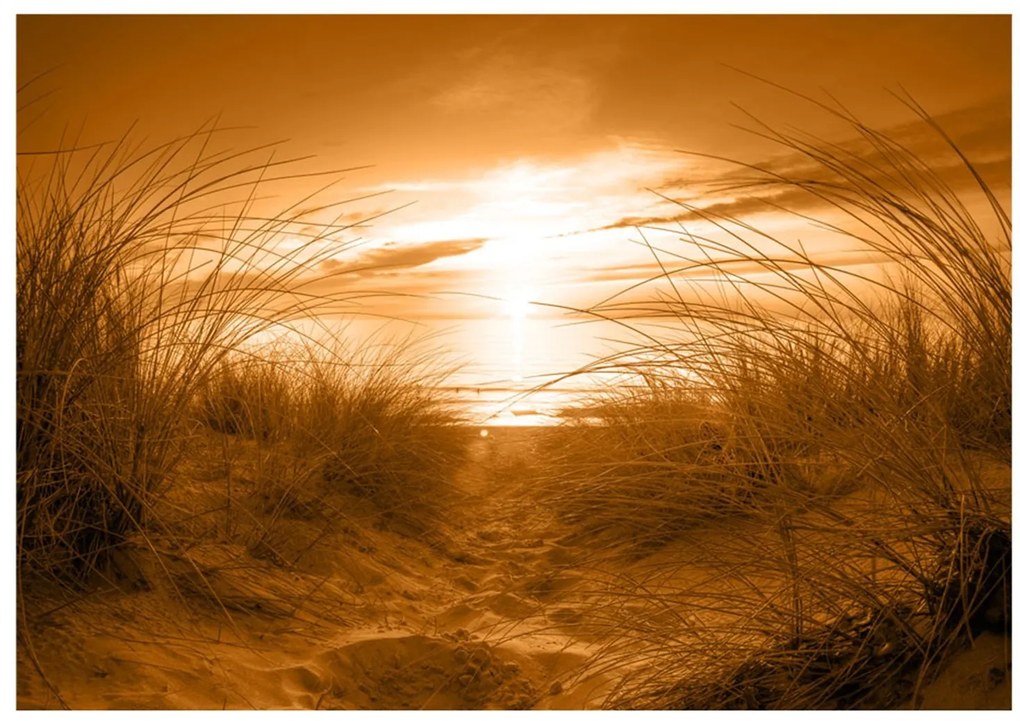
(248, 396)
(144, 277)
(657, 463)
(844, 419)
(379, 430)
(162, 445)
(804, 479)
(362, 420)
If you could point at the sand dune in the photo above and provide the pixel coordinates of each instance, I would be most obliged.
(495, 609)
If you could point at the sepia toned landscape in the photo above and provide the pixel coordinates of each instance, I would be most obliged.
(516, 362)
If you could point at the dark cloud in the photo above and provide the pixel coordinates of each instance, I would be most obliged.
(997, 173)
(436, 294)
(385, 265)
(347, 219)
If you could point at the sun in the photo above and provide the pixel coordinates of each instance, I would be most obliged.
(517, 302)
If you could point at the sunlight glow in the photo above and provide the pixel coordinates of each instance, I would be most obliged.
(517, 302)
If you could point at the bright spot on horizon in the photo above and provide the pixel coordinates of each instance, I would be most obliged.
(517, 303)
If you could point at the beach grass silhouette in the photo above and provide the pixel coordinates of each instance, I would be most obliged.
(839, 430)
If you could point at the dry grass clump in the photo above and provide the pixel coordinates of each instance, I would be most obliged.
(248, 396)
(137, 273)
(162, 447)
(824, 380)
(661, 461)
(341, 418)
(847, 609)
(378, 429)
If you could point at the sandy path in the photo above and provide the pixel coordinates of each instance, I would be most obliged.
(512, 585)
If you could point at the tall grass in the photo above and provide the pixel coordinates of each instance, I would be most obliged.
(815, 381)
(363, 419)
(139, 272)
(249, 395)
(379, 431)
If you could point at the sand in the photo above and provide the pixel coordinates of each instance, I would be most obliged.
(491, 609)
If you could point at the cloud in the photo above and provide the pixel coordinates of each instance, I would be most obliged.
(520, 90)
(764, 199)
(434, 293)
(393, 256)
(697, 268)
(792, 199)
(982, 132)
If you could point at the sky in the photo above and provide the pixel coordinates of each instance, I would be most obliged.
(511, 157)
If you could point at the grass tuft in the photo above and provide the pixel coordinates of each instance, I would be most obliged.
(815, 438)
(145, 280)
